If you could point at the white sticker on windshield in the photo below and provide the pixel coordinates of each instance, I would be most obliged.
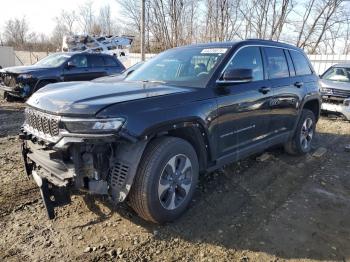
(214, 51)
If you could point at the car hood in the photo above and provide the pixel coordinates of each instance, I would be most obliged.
(335, 84)
(88, 98)
(109, 79)
(22, 69)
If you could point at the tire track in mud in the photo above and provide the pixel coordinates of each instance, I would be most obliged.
(249, 201)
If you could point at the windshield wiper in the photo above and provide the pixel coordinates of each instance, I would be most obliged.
(152, 81)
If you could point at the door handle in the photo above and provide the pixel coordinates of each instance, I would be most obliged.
(264, 90)
(298, 84)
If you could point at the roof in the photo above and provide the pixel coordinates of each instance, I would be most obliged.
(247, 41)
(342, 65)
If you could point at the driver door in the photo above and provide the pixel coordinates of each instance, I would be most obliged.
(243, 107)
(78, 69)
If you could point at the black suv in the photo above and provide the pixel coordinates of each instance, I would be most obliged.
(22, 81)
(187, 111)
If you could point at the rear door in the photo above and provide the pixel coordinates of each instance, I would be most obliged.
(287, 95)
(79, 70)
(96, 65)
(243, 108)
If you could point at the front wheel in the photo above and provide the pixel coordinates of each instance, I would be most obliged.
(300, 143)
(165, 181)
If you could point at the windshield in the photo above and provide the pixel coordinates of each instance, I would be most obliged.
(53, 60)
(191, 67)
(339, 74)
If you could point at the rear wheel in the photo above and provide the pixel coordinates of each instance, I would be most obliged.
(166, 180)
(301, 142)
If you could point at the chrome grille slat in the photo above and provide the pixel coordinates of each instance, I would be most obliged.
(42, 123)
(340, 92)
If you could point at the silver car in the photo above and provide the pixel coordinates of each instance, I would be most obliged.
(335, 90)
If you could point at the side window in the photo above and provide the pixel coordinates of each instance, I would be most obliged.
(277, 66)
(249, 58)
(300, 63)
(109, 61)
(96, 61)
(79, 61)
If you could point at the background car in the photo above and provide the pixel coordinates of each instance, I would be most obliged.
(23, 81)
(118, 77)
(335, 90)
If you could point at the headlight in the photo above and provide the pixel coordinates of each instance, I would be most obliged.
(25, 76)
(75, 125)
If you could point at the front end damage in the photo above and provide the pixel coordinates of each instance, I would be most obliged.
(61, 162)
(336, 101)
(18, 85)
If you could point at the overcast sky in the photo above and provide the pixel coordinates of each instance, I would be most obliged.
(41, 13)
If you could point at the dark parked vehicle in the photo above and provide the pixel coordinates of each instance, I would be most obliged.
(118, 77)
(335, 90)
(23, 81)
(188, 111)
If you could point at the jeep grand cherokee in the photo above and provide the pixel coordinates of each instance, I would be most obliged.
(187, 111)
(23, 81)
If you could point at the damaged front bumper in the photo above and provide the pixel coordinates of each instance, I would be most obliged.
(96, 164)
(339, 108)
(16, 86)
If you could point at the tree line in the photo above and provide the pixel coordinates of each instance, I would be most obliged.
(317, 26)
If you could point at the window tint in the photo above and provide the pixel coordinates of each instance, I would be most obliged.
(249, 58)
(300, 63)
(290, 63)
(202, 63)
(109, 61)
(96, 61)
(79, 61)
(276, 63)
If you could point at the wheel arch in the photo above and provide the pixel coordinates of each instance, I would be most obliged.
(193, 131)
(313, 105)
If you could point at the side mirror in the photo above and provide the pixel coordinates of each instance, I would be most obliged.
(240, 75)
(70, 64)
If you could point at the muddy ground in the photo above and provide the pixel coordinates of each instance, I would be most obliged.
(283, 208)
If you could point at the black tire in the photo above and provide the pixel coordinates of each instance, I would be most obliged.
(295, 146)
(8, 97)
(144, 196)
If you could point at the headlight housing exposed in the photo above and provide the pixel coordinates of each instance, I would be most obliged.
(25, 76)
(82, 126)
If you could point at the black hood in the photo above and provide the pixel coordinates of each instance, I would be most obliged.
(23, 69)
(88, 98)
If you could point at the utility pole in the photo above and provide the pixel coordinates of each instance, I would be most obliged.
(143, 30)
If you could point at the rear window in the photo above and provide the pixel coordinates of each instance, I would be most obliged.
(109, 61)
(96, 61)
(301, 65)
(277, 66)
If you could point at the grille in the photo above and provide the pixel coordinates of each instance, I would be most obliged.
(340, 92)
(118, 175)
(41, 122)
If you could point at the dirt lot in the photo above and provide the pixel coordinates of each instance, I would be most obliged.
(285, 207)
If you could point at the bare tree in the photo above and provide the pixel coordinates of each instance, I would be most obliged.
(105, 20)
(68, 20)
(86, 17)
(16, 32)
